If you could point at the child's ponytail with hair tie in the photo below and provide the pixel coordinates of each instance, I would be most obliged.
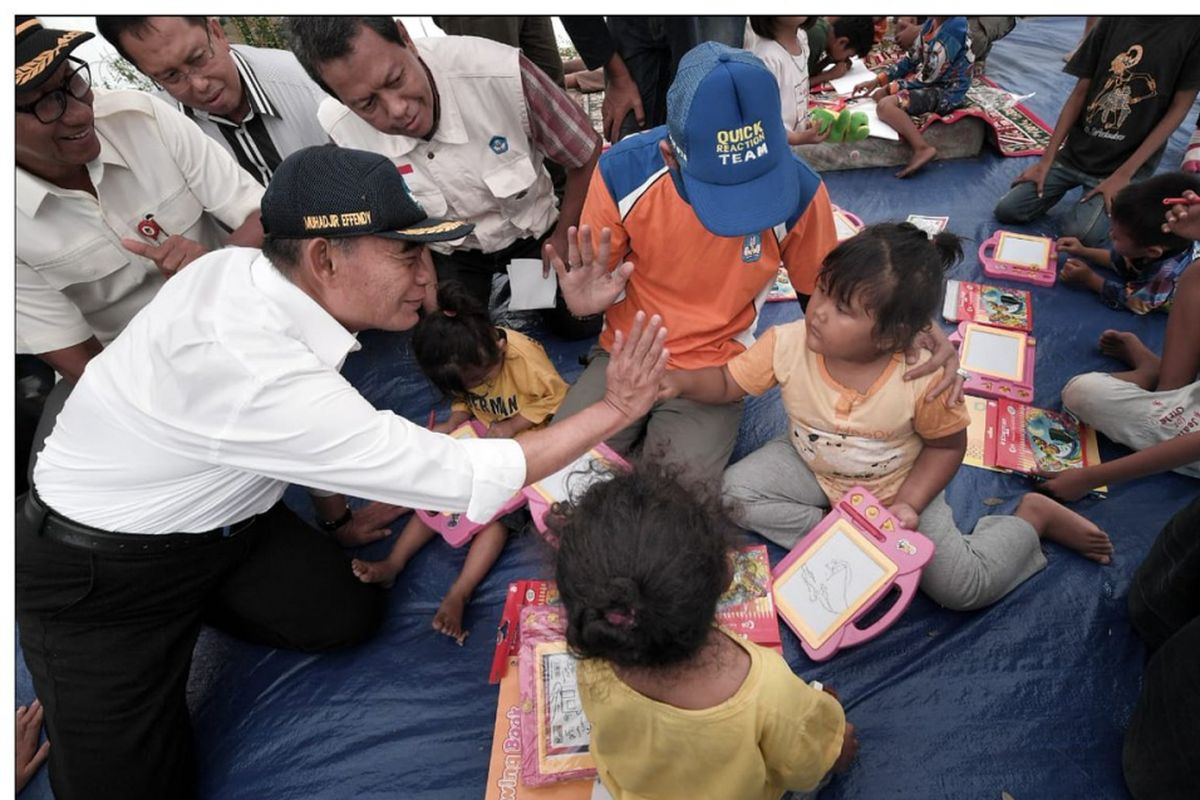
(949, 248)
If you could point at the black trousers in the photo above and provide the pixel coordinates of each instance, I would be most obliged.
(1161, 757)
(474, 269)
(108, 639)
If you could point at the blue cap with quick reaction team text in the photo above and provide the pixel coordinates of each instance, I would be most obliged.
(726, 129)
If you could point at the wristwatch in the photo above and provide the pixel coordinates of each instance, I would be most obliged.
(329, 526)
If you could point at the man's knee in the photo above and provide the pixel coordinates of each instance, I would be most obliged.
(1020, 205)
(1087, 222)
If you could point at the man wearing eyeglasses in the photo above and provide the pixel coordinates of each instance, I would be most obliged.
(115, 192)
(257, 102)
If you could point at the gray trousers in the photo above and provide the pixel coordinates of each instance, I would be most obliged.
(773, 492)
(696, 437)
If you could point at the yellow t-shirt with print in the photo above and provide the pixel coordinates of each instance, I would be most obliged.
(527, 384)
(848, 438)
(776, 733)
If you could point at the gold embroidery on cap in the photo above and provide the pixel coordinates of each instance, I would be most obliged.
(29, 71)
(441, 227)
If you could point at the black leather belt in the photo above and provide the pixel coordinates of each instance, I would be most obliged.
(57, 528)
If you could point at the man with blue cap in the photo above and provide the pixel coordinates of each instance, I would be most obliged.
(692, 220)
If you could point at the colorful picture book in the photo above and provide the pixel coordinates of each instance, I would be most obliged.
(454, 527)
(1019, 257)
(989, 305)
(842, 568)
(747, 608)
(555, 731)
(504, 769)
(1014, 437)
(508, 632)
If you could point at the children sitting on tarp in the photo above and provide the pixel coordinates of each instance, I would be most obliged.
(1147, 260)
(1138, 77)
(933, 76)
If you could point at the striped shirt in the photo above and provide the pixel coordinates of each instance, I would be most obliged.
(282, 118)
(559, 127)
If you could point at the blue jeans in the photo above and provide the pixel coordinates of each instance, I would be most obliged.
(1087, 222)
(651, 48)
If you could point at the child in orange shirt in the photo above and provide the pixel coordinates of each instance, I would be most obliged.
(854, 420)
(501, 378)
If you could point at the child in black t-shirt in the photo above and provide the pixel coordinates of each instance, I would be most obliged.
(1138, 77)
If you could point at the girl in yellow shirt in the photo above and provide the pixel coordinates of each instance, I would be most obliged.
(501, 378)
(678, 707)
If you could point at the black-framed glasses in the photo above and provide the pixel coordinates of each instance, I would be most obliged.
(52, 105)
(176, 78)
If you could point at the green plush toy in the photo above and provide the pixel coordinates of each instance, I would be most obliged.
(842, 126)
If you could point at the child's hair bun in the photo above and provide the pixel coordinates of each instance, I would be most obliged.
(454, 298)
(949, 248)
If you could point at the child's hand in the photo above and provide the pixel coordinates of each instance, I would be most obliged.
(849, 749)
(907, 515)
(1068, 485)
(1184, 220)
(810, 135)
(1069, 244)
(1076, 273)
(864, 88)
(443, 427)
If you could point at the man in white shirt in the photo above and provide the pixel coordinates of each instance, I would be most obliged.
(156, 502)
(469, 123)
(256, 102)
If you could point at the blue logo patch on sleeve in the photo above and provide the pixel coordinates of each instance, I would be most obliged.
(499, 145)
(752, 248)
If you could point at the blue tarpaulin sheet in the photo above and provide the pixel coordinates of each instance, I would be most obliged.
(1029, 697)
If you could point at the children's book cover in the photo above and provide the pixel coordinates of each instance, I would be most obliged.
(990, 305)
(1009, 436)
(504, 769)
(747, 607)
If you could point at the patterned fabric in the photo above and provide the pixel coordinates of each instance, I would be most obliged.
(941, 58)
(559, 127)
(1147, 287)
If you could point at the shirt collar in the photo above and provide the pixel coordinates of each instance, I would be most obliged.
(256, 95)
(450, 127)
(319, 331)
(31, 190)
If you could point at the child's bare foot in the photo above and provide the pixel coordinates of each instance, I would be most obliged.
(1127, 347)
(380, 572)
(1058, 523)
(449, 617)
(920, 157)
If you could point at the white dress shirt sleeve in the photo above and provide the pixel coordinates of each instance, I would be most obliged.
(46, 319)
(309, 426)
(225, 190)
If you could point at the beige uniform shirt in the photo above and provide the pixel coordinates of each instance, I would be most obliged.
(74, 280)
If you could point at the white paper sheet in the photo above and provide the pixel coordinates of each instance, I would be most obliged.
(857, 74)
(529, 289)
(845, 84)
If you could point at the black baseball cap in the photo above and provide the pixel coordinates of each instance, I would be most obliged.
(334, 192)
(41, 50)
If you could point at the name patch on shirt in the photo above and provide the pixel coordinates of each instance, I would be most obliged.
(752, 248)
(325, 222)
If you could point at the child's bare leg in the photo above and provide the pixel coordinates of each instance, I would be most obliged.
(889, 111)
(416, 534)
(485, 549)
(1056, 522)
(1127, 347)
